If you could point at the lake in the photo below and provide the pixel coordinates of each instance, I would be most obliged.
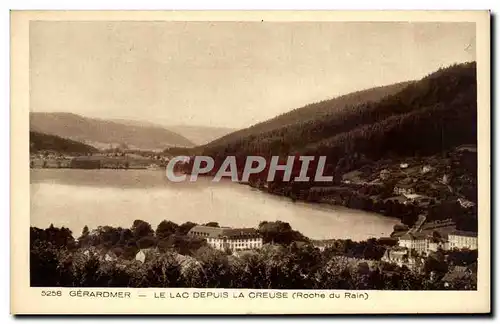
(75, 198)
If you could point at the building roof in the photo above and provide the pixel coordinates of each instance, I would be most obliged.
(145, 254)
(404, 185)
(464, 233)
(413, 196)
(219, 232)
(465, 203)
(240, 232)
(208, 230)
(413, 236)
(397, 249)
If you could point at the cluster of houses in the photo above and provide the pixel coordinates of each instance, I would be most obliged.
(413, 245)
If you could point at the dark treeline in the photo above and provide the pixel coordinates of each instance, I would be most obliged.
(126, 242)
(45, 142)
(57, 259)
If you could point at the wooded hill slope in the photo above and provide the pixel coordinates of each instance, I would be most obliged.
(45, 142)
(308, 113)
(423, 117)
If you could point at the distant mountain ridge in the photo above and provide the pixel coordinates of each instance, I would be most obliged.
(105, 133)
(201, 135)
(197, 134)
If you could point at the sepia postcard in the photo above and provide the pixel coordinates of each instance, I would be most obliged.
(250, 162)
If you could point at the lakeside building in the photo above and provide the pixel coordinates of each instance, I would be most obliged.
(423, 243)
(405, 187)
(426, 241)
(222, 238)
(397, 255)
(415, 241)
(322, 244)
(435, 244)
(462, 240)
(403, 256)
(465, 203)
(145, 254)
(426, 169)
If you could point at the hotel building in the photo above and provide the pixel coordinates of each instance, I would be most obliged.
(222, 238)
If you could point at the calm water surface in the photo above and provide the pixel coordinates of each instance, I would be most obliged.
(75, 198)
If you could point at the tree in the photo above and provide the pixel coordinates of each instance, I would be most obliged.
(436, 264)
(462, 257)
(146, 242)
(279, 232)
(212, 224)
(83, 240)
(126, 238)
(85, 231)
(59, 237)
(165, 229)
(185, 228)
(141, 229)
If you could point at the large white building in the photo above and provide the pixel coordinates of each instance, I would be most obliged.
(425, 244)
(422, 243)
(225, 238)
(415, 241)
(462, 240)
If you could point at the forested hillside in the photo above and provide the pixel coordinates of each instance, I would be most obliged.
(425, 117)
(313, 111)
(44, 142)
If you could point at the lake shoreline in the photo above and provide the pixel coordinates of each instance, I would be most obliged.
(76, 198)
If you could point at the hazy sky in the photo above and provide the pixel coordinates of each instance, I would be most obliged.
(228, 74)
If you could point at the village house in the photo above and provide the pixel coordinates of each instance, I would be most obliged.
(462, 240)
(102, 255)
(426, 169)
(465, 203)
(436, 244)
(420, 200)
(423, 243)
(223, 238)
(397, 255)
(412, 197)
(322, 244)
(415, 241)
(146, 254)
(402, 256)
(405, 187)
